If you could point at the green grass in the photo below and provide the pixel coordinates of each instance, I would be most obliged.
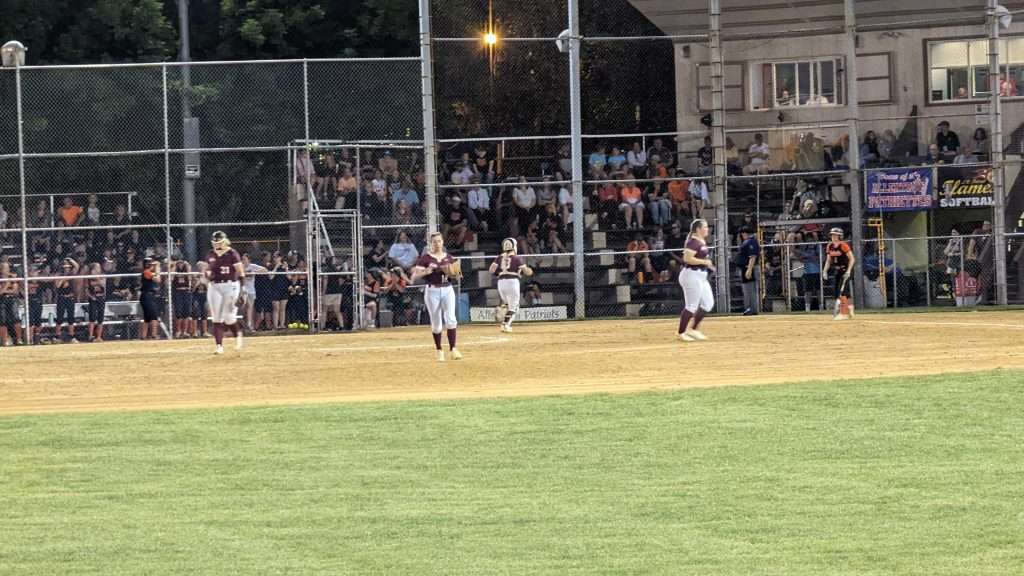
(913, 476)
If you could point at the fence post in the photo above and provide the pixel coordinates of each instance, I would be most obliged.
(998, 183)
(852, 103)
(429, 136)
(576, 123)
(24, 204)
(718, 143)
(167, 207)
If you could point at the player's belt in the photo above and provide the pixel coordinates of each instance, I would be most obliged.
(223, 281)
(445, 285)
(697, 268)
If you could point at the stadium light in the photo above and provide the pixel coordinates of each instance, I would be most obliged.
(13, 54)
(490, 38)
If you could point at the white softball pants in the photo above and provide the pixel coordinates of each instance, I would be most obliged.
(440, 303)
(696, 290)
(508, 290)
(222, 298)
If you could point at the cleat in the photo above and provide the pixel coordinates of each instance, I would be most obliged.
(840, 317)
(685, 337)
(697, 335)
(506, 328)
(238, 341)
(440, 355)
(456, 355)
(219, 350)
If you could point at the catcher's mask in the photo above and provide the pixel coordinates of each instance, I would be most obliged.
(220, 240)
(509, 245)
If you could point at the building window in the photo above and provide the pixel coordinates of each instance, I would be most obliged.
(959, 69)
(734, 88)
(802, 83)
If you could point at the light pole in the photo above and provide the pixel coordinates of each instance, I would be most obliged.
(13, 56)
(191, 137)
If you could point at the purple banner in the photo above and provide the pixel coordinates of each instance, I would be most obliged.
(899, 189)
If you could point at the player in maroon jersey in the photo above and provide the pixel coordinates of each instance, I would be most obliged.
(697, 294)
(510, 268)
(225, 273)
(434, 268)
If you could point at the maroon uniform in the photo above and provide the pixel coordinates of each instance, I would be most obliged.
(222, 268)
(437, 277)
(700, 250)
(509, 266)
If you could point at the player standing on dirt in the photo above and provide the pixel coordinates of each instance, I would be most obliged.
(437, 267)
(839, 259)
(510, 268)
(697, 294)
(226, 274)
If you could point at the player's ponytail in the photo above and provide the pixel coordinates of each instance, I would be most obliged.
(694, 226)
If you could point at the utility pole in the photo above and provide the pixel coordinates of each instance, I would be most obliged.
(191, 137)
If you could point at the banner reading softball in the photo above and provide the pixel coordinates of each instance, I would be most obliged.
(965, 187)
(899, 189)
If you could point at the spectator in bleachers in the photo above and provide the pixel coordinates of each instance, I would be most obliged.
(456, 223)
(759, 156)
(869, 153)
(617, 163)
(531, 244)
(552, 226)
(632, 206)
(658, 204)
(378, 256)
(732, 157)
(563, 159)
(934, 155)
(659, 153)
(637, 161)
(546, 196)
(479, 202)
(679, 195)
(980, 143)
(699, 197)
(327, 174)
(4, 218)
(565, 204)
(886, 145)
(69, 214)
(705, 158)
(598, 162)
(92, 211)
(484, 163)
(406, 193)
(387, 164)
(606, 200)
(525, 199)
(1007, 86)
(659, 260)
(947, 140)
(639, 257)
(964, 156)
(120, 220)
(403, 252)
(346, 189)
(377, 205)
(840, 153)
(463, 171)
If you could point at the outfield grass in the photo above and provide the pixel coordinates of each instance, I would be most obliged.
(918, 476)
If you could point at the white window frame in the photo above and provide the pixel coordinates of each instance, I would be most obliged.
(1010, 58)
(814, 66)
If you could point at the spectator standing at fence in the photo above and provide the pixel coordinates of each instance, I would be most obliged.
(181, 297)
(279, 285)
(810, 258)
(947, 140)
(149, 299)
(298, 297)
(10, 291)
(636, 158)
(632, 206)
(200, 309)
(65, 299)
(980, 248)
(255, 291)
(97, 303)
(748, 261)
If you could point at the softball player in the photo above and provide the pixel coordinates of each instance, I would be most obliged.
(225, 274)
(698, 296)
(509, 267)
(10, 290)
(839, 258)
(436, 267)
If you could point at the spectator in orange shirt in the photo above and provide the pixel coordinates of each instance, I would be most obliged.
(70, 214)
(632, 205)
(638, 253)
(679, 195)
(607, 197)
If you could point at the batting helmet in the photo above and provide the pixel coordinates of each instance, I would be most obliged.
(509, 245)
(220, 238)
(836, 232)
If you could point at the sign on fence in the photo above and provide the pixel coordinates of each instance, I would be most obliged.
(536, 314)
(965, 187)
(899, 189)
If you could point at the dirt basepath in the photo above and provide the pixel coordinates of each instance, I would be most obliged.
(539, 359)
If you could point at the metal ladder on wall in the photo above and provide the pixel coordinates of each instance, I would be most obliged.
(336, 235)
